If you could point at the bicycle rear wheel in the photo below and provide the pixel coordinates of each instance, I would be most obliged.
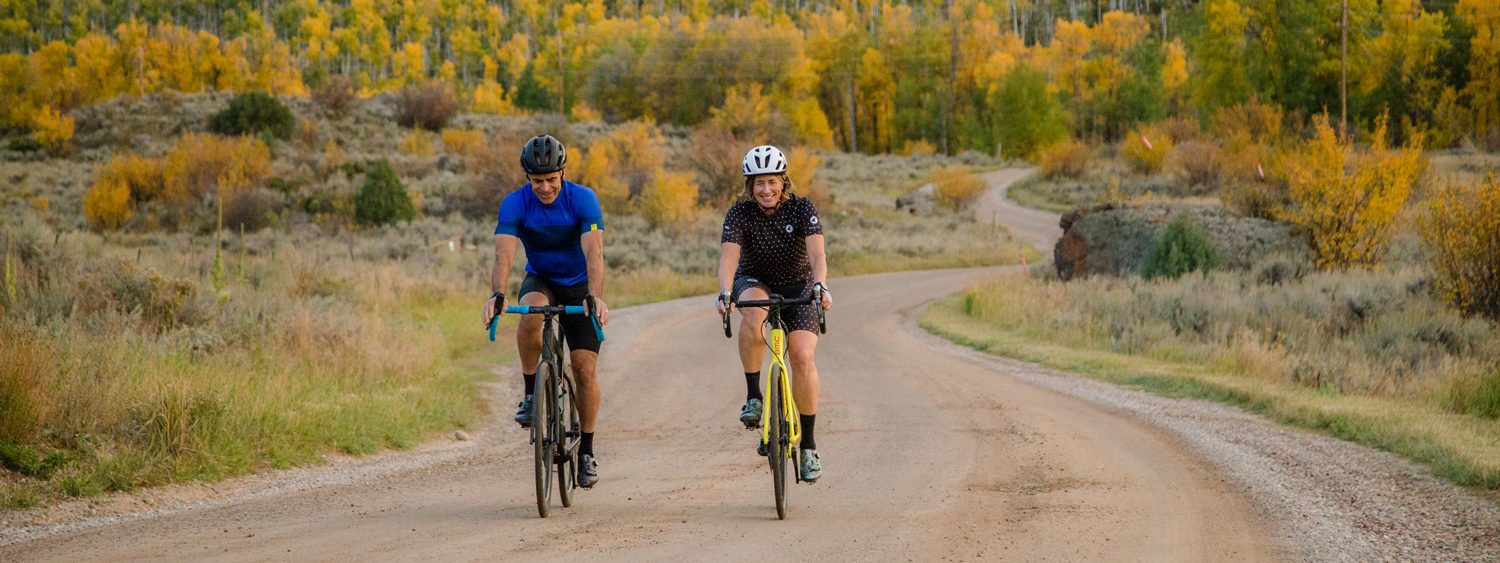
(569, 431)
(543, 433)
(776, 442)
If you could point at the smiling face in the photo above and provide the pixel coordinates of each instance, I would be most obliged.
(768, 190)
(546, 186)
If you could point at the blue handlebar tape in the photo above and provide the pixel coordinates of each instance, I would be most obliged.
(494, 322)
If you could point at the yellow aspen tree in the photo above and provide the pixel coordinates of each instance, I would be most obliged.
(802, 168)
(107, 205)
(1462, 232)
(16, 109)
(97, 64)
(598, 172)
(1483, 89)
(670, 198)
(134, 42)
(316, 33)
(877, 97)
(409, 68)
(172, 52)
(1174, 71)
(1348, 216)
(54, 131)
(1070, 45)
(48, 76)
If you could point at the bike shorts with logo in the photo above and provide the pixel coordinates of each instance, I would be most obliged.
(577, 330)
(796, 317)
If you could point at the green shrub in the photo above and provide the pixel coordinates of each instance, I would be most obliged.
(255, 113)
(382, 199)
(18, 496)
(25, 144)
(1182, 248)
(27, 461)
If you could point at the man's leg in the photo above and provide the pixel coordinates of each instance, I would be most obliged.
(584, 364)
(529, 346)
(588, 396)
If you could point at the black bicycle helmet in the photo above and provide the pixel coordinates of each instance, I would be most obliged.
(543, 154)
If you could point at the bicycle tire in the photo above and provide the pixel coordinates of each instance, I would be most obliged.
(776, 447)
(543, 425)
(567, 457)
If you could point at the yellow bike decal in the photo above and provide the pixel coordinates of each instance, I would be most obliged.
(777, 342)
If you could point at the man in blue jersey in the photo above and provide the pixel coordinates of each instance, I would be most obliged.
(561, 225)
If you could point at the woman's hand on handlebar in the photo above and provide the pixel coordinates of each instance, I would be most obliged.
(723, 302)
(827, 297)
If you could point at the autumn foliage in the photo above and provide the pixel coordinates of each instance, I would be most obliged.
(1346, 202)
(1146, 149)
(180, 187)
(1068, 159)
(955, 187)
(1462, 231)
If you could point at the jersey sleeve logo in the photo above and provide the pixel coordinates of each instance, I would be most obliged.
(595, 226)
(814, 219)
(788, 228)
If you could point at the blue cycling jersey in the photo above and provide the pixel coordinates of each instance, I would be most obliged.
(550, 232)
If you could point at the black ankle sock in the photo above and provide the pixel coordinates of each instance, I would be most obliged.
(752, 386)
(807, 431)
(586, 446)
(530, 379)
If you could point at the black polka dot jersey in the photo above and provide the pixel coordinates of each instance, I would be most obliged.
(773, 248)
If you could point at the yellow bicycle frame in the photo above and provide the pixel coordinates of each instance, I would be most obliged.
(777, 342)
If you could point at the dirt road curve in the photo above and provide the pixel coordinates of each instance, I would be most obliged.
(1038, 228)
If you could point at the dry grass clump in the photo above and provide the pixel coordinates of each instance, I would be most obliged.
(1146, 149)
(1068, 159)
(1374, 333)
(1462, 232)
(336, 94)
(956, 188)
(1199, 164)
(429, 106)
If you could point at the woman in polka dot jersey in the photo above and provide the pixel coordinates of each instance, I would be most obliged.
(773, 243)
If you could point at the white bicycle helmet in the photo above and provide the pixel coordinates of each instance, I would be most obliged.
(764, 159)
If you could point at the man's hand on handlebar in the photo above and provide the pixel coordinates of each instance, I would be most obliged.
(493, 307)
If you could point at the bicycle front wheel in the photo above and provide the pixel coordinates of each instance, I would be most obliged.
(569, 432)
(776, 442)
(543, 433)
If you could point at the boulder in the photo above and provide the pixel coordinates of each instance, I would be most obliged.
(1115, 238)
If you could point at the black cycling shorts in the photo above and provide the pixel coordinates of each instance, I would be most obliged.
(577, 330)
(796, 317)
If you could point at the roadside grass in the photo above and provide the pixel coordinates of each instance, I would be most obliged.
(1417, 420)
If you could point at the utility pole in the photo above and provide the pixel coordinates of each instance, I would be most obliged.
(1344, 72)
